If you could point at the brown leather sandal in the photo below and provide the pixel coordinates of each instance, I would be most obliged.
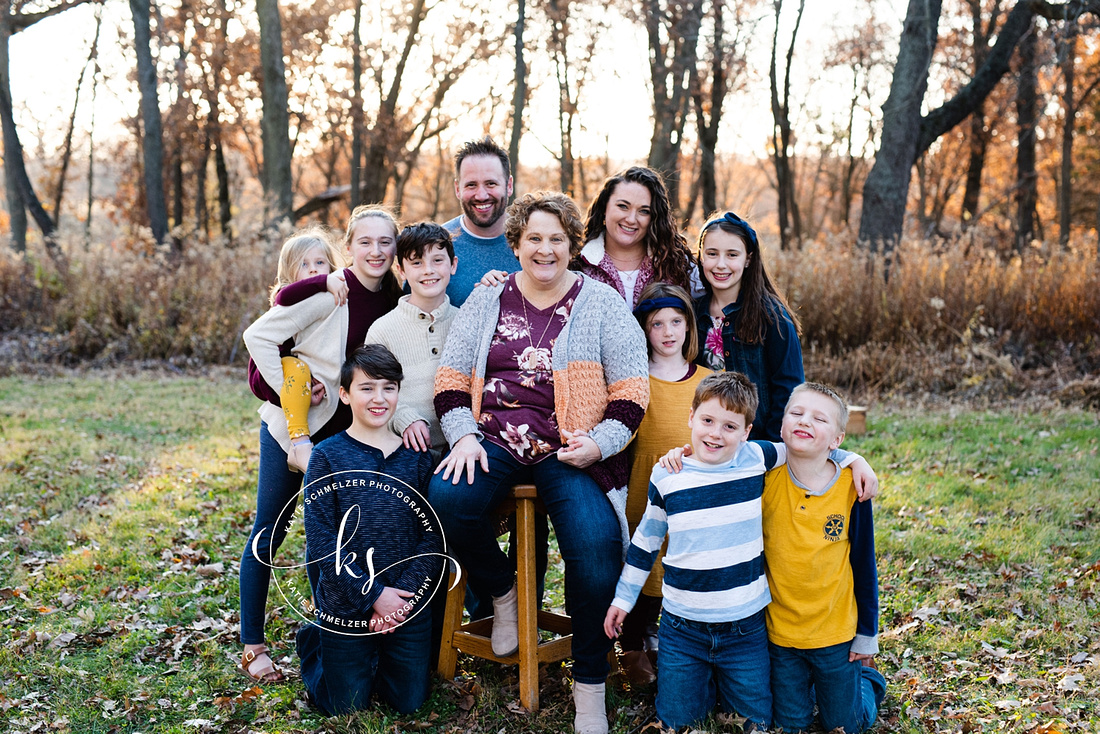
(267, 674)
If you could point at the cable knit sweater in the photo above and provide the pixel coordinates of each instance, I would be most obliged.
(601, 376)
(416, 338)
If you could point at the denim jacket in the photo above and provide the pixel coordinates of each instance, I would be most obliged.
(774, 366)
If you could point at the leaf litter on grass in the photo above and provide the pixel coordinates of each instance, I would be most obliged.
(123, 528)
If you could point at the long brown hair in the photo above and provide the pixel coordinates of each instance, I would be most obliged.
(760, 299)
(671, 257)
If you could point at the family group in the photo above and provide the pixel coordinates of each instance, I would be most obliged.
(707, 519)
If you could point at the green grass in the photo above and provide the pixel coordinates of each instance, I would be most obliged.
(116, 489)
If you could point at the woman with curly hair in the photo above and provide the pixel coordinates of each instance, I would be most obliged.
(543, 379)
(631, 237)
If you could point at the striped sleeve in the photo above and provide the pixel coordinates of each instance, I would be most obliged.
(643, 551)
(454, 378)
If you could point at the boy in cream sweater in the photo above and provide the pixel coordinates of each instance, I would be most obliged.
(416, 330)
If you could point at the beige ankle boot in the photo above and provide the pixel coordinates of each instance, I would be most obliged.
(505, 637)
(588, 699)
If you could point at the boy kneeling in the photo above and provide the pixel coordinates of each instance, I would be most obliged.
(374, 552)
(819, 543)
(712, 640)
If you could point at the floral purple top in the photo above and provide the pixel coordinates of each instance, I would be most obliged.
(517, 404)
(713, 349)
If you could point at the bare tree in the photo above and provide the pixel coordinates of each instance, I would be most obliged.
(721, 66)
(790, 225)
(906, 134)
(21, 197)
(277, 177)
(519, 94)
(672, 27)
(1027, 121)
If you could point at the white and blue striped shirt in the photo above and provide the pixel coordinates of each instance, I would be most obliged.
(714, 567)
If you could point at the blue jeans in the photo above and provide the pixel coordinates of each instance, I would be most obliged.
(276, 493)
(342, 671)
(587, 531)
(700, 661)
(848, 693)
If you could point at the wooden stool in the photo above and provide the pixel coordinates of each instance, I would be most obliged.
(473, 638)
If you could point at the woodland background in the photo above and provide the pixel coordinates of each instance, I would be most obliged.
(928, 192)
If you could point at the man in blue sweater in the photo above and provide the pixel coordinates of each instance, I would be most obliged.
(376, 548)
(483, 185)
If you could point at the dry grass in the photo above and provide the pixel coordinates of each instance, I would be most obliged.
(955, 318)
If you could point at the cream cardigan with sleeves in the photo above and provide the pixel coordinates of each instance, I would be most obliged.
(320, 333)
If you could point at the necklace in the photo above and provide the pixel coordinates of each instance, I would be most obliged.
(636, 262)
(533, 361)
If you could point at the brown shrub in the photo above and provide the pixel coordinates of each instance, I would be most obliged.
(950, 318)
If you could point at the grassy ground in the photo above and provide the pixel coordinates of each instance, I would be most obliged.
(126, 501)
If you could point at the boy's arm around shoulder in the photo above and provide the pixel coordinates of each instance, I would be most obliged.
(861, 555)
(862, 474)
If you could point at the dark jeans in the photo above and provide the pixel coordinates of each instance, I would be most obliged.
(342, 671)
(276, 499)
(584, 522)
(848, 694)
(700, 661)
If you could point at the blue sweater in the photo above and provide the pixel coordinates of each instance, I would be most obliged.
(388, 522)
(476, 256)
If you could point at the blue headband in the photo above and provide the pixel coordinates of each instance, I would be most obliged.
(743, 228)
(656, 304)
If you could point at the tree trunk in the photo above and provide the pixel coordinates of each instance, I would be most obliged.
(202, 216)
(356, 106)
(519, 94)
(276, 176)
(670, 68)
(67, 148)
(1027, 111)
(1069, 119)
(13, 191)
(886, 189)
(707, 129)
(152, 141)
(790, 226)
(377, 169)
(978, 139)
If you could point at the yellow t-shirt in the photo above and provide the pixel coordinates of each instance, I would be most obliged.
(806, 556)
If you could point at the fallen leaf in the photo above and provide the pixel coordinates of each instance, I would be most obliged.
(1071, 683)
(211, 569)
(1008, 704)
(924, 613)
(62, 640)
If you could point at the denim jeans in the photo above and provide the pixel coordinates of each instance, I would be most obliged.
(276, 493)
(848, 694)
(342, 671)
(584, 522)
(699, 661)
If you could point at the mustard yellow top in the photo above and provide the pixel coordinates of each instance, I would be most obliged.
(664, 427)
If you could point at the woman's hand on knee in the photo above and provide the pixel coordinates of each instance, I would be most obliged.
(466, 452)
(580, 450)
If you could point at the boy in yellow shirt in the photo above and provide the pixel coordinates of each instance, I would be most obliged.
(819, 551)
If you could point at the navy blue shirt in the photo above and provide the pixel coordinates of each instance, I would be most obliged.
(774, 365)
(388, 526)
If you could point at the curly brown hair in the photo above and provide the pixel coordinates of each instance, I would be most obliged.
(672, 259)
(551, 202)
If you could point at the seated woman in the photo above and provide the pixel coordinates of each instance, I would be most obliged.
(544, 378)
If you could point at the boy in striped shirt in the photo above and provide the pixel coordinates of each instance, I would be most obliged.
(713, 640)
